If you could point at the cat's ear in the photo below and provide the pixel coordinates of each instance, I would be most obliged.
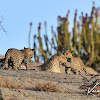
(72, 51)
(32, 49)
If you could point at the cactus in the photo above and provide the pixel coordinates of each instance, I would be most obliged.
(79, 39)
(46, 36)
(40, 44)
(84, 40)
(74, 39)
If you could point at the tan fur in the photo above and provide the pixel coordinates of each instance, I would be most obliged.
(17, 57)
(68, 54)
(53, 64)
(91, 71)
(74, 63)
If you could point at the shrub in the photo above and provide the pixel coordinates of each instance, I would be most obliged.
(47, 87)
(8, 84)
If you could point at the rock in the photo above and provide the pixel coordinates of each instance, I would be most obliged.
(91, 71)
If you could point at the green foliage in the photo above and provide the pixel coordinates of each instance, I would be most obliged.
(84, 40)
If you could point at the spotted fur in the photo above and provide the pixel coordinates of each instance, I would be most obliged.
(17, 57)
(74, 63)
(53, 64)
(68, 54)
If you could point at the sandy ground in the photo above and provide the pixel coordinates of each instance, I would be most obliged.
(1, 56)
(20, 85)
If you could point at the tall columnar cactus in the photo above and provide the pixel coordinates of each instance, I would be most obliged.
(55, 41)
(41, 51)
(39, 37)
(59, 40)
(34, 46)
(91, 33)
(97, 35)
(79, 38)
(66, 32)
(69, 41)
(85, 34)
(63, 33)
(46, 36)
(84, 40)
(93, 36)
(74, 39)
(97, 25)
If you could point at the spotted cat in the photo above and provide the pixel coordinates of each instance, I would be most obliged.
(17, 57)
(74, 63)
(53, 64)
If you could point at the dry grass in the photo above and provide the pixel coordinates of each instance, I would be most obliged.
(8, 84)
(47, 87)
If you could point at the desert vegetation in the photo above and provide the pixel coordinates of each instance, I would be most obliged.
(33, 84)
(84, 39)
(47, 87)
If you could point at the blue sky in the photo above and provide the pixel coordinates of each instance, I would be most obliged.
(18, 14)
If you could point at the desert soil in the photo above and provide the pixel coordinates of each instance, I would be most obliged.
(21, 84)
